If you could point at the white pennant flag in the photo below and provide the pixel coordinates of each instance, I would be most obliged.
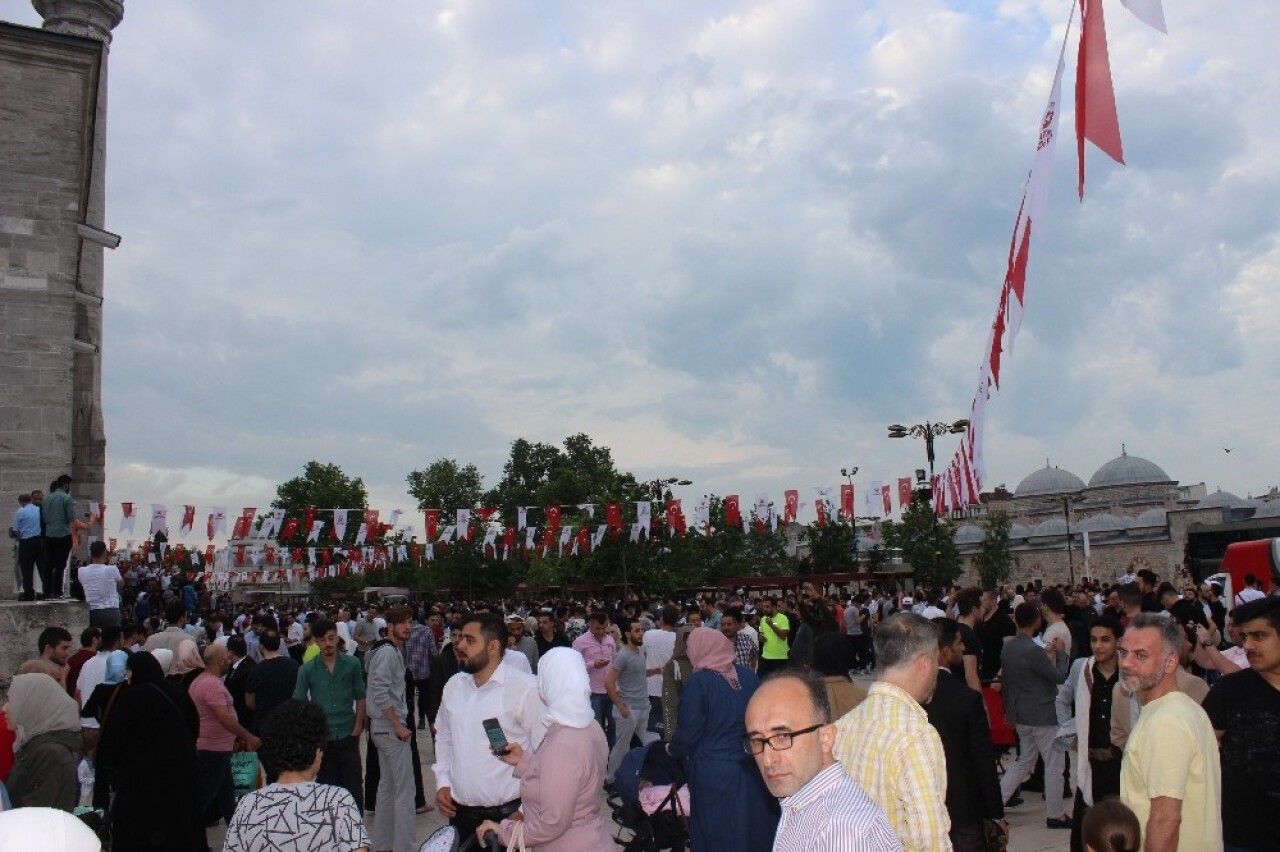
(409, 534)
(530, 536)
(126, 518)
(217, 521)
(340, 518)
(395, 517)
(522, 517)
(195, 558)
(644, 513)
(638, 530)
(402, 551)
(362, 534)
(159, 518)
(490, 537)
(598, 535)
(872, 501)
(763, 508)
(273, 522)
(565, 534)
(702, 513)
(431, 552)
(311, 555)
(823, 493)
(1149, 12)
(589, 508)
(464, 521)
(448, 533)
(314, 533)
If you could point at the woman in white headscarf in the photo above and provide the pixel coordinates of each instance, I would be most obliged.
(560, 781)
(47, 723)
(25, 829)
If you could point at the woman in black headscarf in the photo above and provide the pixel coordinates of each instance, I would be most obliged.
(147, 753)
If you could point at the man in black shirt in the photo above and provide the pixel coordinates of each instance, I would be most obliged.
(272, 681)
(993, 629)
(1244, 709)
(1086, 696)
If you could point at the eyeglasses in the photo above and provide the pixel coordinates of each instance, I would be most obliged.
(778, 742)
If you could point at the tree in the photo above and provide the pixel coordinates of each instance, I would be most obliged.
(321, 486)
(832, 547)
(926, 542)
(994, 561)
(446, 485)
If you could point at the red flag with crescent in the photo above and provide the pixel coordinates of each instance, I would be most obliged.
(732, 510)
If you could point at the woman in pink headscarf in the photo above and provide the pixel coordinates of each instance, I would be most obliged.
(731, 808)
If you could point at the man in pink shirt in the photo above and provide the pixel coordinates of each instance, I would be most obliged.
(597, 649)
(219, 730)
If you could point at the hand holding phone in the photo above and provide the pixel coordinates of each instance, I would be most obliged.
(497, 740)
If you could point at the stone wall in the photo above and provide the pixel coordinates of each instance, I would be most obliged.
(20, 627)
(52, 150)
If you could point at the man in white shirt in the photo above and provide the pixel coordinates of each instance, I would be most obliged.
(94, 671)
(1250, 592)
(659, 644)
(102, 584)
(472, 784)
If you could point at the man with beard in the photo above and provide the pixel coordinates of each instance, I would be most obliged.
(628, 690)
(472, 783)
(1170, 776)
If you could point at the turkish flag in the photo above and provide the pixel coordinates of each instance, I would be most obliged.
(583, 544)
(188, 518)
(675, 518)
(1096, 117)
(486, 513)
(791, 508)
(732, 511)
(290, 529)
(270, 555)
(433, 523)
(244, 523)
(509, 540)
(846, 500)
(904, 492)
(240, 555)
(613, 516)
(553, 516)
(820, 506)
(884, 497)
(371, 520)
(208, 555)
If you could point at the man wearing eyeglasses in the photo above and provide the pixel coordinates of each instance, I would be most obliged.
(789, 732)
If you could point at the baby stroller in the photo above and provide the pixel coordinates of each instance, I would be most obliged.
(667, 827)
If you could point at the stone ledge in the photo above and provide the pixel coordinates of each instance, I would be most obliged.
(20, 627)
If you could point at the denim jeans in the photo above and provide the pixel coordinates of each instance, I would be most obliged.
(340, 766)
(216, 786)
(602, 707)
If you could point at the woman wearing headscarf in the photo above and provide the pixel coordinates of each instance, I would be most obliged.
(730, 806)
(102, 697)
(24, 829)
(674, 675)
(832, 660)
(147, 754)
(560, 780)
(47, 723)
(187, 664)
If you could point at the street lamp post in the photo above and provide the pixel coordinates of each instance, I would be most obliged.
(658, 489)
(929, 431)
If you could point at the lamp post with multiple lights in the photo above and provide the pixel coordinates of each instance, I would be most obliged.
(929, 431)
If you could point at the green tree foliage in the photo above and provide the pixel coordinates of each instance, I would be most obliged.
(832, 547)
(321, 486)
(446, 485)
(994, 561)
(926, 543)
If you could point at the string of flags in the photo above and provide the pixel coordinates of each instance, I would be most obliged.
(271, 543)
(961, 482)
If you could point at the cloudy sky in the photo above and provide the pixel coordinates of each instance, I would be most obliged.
(729, 240)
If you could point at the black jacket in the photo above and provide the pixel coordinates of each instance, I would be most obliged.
(959, 715)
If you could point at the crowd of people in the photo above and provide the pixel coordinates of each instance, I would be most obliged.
(1164, 698)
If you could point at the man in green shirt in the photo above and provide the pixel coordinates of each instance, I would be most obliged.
(335, 682)
(57, 512)
(774, 630)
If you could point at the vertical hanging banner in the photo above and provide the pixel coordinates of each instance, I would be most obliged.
(188, 520)
(820, 509)
(159, 518)
(432, 518)
(904, 492)
(732, 511)
(126, 517)
(846, 501)
(522, 517)
(97, 513)
(823, 494)
(613, 516)
(313, 534)
(552, 515)
(340, 517)
(790, 506)
(644, 515)
(463, 517)
(243, 523)
(763, 511)
(872, 505)
(217, 522)
(675, 518)
(702, 514)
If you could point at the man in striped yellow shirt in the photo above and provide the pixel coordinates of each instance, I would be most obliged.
(886, 743)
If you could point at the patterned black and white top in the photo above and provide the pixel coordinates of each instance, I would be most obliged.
(296, 818)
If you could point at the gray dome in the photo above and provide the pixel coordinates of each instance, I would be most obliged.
(1271, 510)
(1128, 470)
(1053, 526)
(1104, 522)
(1220, 498)
(1151, 518)
(1019, 531)
(969, 534)
(1049, 480)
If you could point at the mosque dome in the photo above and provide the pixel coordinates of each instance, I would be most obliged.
(1128, 470)
(1156, 517)
(1053, 526)
(1225, 499)
(969, 534)
(1049, 480)
(1104, 522)
(1019, 531)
